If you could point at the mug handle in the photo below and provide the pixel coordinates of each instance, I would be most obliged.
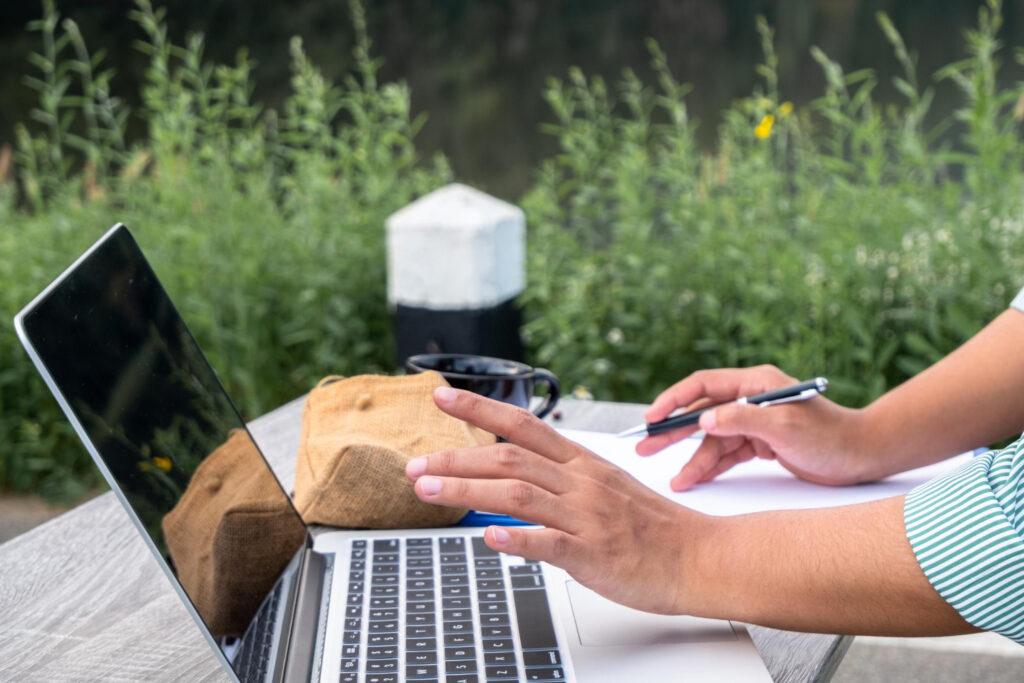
(553, 393)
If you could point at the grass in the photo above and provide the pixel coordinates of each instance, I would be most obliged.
(844, 238)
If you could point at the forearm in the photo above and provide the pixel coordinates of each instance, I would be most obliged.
(840, 570)
(971, 398)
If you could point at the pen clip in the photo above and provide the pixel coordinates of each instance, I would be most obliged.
(802, 396)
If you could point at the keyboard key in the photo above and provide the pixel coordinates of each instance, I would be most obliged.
(493, 607)
(385, 568)
(385, 558)
(487, 562)
(454, 615)
(421, 672)
(350, 651)
(350, 664)
(524, 569)
(353, 624)
(419, 562)
(386, 601)
(533, 581)
(496, 631)
(542, 658)
(382, 652)
(349, 677)
(382, 678)
(488, 573)
(419, 619)
(494, 619)
(353, 611)
(501, 673)
(458, 627)
(497, 644)
(421, 657)
(421, 631)
(460, 666)
(454, 591)
(381, 614)
(452, 544)
(417, 542)
(419, 596)
(420, 573)
(384, 626)
(385, 545)
(490, 596)
(461, 678)
(552, 674)
(420, 607)
(534, 619)
(480, 548)
(421, 644)
(454, 580)
(500, 658)
(381, 665)
(383, 591)
(453, 558)
(350, 637)
(460, 653)
(419, 552)
(453, 639)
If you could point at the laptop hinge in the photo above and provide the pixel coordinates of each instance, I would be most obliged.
(302, 635)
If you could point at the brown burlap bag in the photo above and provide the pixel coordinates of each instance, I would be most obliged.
(357, 436)
(231, 534)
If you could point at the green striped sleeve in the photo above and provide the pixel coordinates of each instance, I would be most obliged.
(1018, 301)
(967, 532)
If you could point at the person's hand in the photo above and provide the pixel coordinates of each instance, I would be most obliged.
(609, 531)
(816, 440)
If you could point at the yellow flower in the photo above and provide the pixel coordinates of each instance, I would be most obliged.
(764, 129)
(162, 463)
(785, 109)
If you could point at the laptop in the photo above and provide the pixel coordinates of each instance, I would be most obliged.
(280, 601)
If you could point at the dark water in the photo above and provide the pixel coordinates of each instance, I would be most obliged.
(478, 67)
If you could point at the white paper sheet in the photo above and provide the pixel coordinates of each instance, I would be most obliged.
(748, 487)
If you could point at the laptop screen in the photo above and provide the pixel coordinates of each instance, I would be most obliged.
(151, 406)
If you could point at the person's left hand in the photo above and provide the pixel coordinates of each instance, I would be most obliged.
(609, 531)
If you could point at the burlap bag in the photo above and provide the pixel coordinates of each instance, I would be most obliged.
(231, 534)
(357, 436)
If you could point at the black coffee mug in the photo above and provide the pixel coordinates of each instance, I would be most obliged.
(503, 380)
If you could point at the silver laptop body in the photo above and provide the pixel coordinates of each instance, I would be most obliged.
(278, 601)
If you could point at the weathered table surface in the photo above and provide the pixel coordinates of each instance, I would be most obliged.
(82, 598)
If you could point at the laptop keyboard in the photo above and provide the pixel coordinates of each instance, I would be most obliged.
(442, 609)
(253, 656)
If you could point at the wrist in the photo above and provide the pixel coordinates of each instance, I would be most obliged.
(701, 564)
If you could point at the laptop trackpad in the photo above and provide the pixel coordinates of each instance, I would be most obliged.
(603, 623)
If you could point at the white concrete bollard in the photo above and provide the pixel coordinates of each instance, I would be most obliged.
(456, 263)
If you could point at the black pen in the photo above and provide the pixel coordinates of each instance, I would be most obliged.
(797, 392)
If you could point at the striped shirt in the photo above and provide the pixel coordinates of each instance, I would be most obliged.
(967, 532)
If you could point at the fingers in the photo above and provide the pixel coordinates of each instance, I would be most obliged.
(510, 422)
(704, 461)
(547, 545)
(518, 499)
(752, 421)
(500, 461)
(718, 386)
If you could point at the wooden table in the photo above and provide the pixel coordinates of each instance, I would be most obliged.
(82, 598)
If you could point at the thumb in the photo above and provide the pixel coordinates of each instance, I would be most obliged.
(734, 419)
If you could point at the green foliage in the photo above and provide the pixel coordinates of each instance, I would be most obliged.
(847, 240)
(266, 228)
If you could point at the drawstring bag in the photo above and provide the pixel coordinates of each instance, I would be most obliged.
(231, 534)
(357, 436)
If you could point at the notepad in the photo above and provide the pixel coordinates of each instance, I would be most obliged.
(752, 486)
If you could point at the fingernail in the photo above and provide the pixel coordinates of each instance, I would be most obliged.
(416, 468)
(499, 535)
(709, 420)
(444, 395)
(430, 486)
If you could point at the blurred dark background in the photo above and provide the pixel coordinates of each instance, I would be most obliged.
(478, 67)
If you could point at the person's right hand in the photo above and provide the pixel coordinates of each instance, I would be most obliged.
(816, 440)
